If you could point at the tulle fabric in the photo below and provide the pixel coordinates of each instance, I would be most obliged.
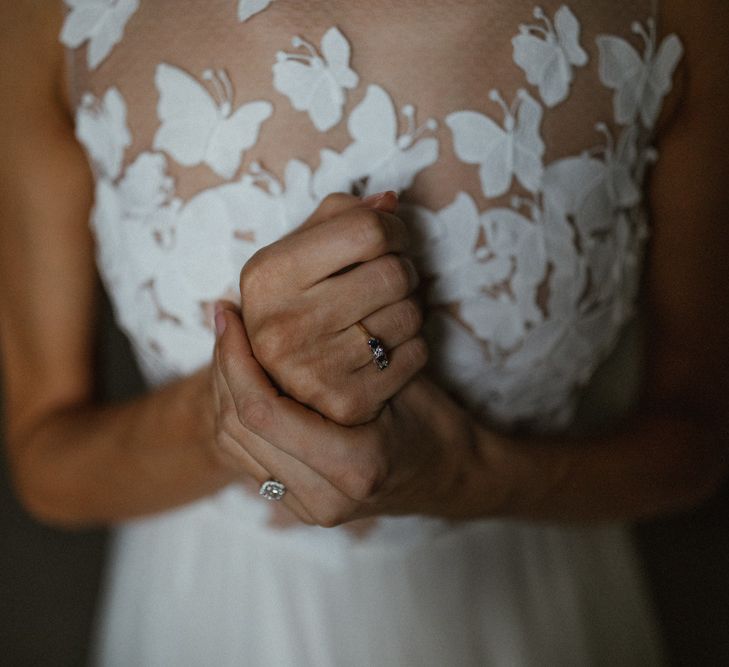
(193, 588)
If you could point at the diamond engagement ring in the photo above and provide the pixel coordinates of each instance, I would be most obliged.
(379, 356)
(272, 489)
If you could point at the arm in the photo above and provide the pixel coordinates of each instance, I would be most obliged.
(73, 462)
(674, 450)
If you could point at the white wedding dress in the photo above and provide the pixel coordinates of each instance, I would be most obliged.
(519, 138)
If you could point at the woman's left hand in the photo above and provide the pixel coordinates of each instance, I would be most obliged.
(412, 459)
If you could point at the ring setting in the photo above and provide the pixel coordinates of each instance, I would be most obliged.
(379, 355)
(272, 489)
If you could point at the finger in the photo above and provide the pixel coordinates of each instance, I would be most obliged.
(229, 305)
(306, 258)
(345, 351)
(392, 325)
(234, 454)
(338, 202)
(240, 457)
(395, 323)
(349, 297)
(308, 494)
(368, 389)
(254, 398)
(318, 443)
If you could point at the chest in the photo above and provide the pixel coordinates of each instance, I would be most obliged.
(519, 165)
(430, 58)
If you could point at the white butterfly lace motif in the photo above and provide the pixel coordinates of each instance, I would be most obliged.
(576, 237)
(640, 83)
(248, 8)
(198, 126)
(547, 53)
(316, 83)
(99, 22)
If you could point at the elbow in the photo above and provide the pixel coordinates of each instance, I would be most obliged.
(39, 493)
(32, 496)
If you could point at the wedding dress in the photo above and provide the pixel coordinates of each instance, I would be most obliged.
(519, 137)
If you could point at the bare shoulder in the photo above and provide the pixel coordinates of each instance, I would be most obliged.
(31, 56)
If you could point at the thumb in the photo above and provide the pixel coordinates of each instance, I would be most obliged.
(235, 356)
(261, 409)
(338, 202)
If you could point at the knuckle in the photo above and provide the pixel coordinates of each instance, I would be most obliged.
(345, 408)
(249, 286)
(305, 518)
(410, 317)
(255, 414)
(251, 268)
(334, 201)
(260, 271)
(227, 423)
(372, 232)
(271, 343)
(418, 352)
(305, 384)
(393, 275)
(366, 479)
(331, 514)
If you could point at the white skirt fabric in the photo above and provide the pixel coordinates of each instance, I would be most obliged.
(198, 587)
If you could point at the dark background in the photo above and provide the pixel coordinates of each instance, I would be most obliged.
(49, 579)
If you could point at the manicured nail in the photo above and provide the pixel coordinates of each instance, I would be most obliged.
(220, 322)
(373, 200)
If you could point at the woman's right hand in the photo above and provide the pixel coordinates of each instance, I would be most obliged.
(303, 296)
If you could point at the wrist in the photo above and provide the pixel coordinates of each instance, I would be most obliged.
(481, 484)
(518, 476)
(493, 476)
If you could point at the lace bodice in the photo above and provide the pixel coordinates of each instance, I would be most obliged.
(518, 137)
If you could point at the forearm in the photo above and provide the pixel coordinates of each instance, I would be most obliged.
(654, 463)
(94, 464)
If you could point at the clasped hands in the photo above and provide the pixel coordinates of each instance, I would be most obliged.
(296, 395)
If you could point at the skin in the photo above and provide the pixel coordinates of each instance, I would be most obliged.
(304, 295)
(77, 463)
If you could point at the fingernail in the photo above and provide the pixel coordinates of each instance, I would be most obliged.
(217, 307)
(220, 322)
(373, 200)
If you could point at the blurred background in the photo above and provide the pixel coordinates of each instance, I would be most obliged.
(49, 579)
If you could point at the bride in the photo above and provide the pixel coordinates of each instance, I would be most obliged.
(427, 298)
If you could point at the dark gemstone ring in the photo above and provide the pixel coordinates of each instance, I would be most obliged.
(379, 356)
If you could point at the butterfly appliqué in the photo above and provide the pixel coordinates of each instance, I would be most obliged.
(316, 83)
(101, 126)
(386, 159)
(640, 83)
(100, 22)
(515, 149)
(196, 127)
(548, 62)
(591, 190)
(248, 8)
(529, 302)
